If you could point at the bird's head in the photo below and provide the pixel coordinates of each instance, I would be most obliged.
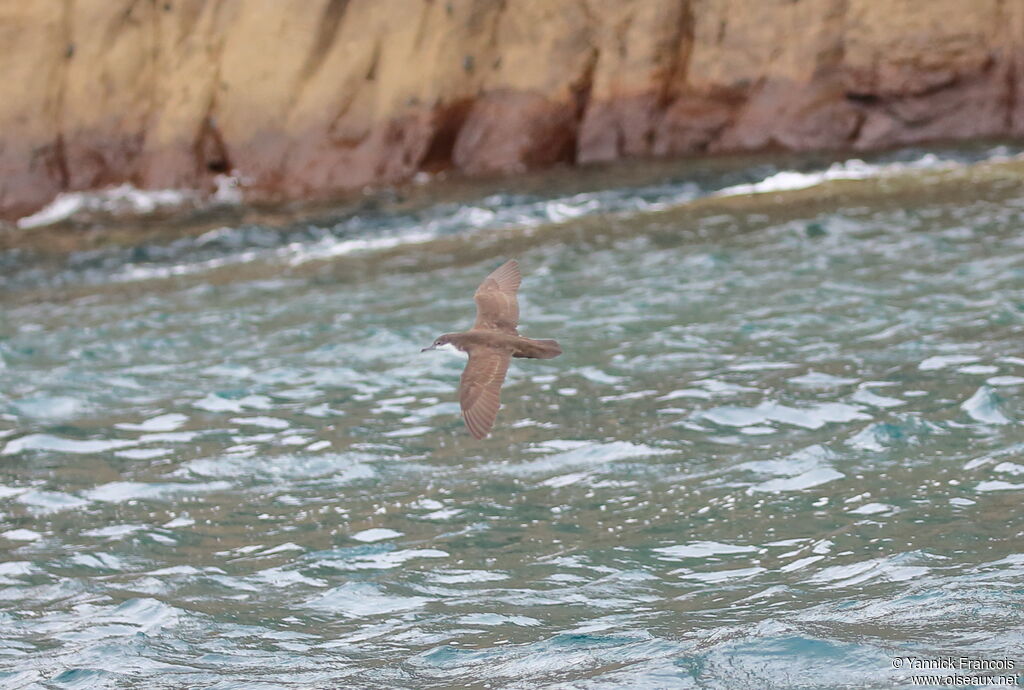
(440, 343)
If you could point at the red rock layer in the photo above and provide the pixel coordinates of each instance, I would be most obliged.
(307, 98)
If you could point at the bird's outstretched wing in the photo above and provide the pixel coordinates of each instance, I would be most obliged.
(480, 388)
(496, 306)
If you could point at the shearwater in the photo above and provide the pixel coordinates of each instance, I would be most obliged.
(491, 344)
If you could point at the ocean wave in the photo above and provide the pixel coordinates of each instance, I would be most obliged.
(369, 231)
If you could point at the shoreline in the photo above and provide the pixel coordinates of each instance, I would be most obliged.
(990, 180)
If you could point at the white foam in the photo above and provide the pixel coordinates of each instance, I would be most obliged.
(1005, 380)
(359, 599)
(686, 393)
(453, 577)
(998, 485)
(382, 561)
(807, 480)
(587, 454)
(118, 492)
(181, 570)
(62, 445)
(800, 563)
(169, 437)
(873, 509)
(635, 395)
(8, 491)
(329, 249)
(883, 401)
(164, 422)
(376, 534)
(114, 531)
(339, 467)
(703, 549)
(566, 479)
(227, 190)
(983, 369)
(123, 199)
(735, 416)
(813, 417)
(217, 403)
(98, 561)
(595, 375)
(788, 180)
(126, 199)
(793, 464)
(63, 206)
(724, 575)
(50, 501)
(943, 361)
(984, 407)
(280, 577)
(442, 514)
(143, 453)
(816, 379)
(408, 431)
(180, 521)
(50, 407)
(11, 569)
(262, 422)
(853, 169)
(21, 535)
(497, 619)
(761, 366)
(857, 573)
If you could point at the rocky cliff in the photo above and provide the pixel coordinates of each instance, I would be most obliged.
(306, 98)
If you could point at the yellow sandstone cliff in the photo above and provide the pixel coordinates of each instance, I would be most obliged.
(306, 98)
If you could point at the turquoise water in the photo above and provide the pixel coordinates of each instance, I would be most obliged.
(779, 451)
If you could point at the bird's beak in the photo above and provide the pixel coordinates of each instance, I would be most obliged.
(432, 347)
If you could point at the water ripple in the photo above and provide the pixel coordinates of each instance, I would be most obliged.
(773, 445)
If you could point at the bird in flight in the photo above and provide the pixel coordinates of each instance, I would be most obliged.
(491, 343)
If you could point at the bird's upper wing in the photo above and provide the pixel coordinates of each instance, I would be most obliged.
(480, 388)
(496, 306)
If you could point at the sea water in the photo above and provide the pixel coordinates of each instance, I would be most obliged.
(781, 449)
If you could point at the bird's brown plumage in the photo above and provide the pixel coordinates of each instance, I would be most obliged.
(480, 388)
(496, 306)
(491, 344)
(497, 309)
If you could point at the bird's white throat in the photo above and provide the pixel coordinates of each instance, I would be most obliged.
(451, 349)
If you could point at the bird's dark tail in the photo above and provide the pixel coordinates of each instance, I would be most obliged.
(538, 349)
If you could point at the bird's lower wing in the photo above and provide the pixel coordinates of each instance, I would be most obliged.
(480, 388)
